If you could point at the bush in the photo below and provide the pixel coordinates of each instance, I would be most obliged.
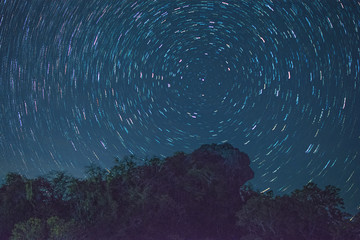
(32, 229)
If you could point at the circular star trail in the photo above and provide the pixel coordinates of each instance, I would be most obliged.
(84, 81)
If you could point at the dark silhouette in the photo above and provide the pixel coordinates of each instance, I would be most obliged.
(186, 196)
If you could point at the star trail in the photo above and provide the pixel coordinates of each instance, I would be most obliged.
(85, 81)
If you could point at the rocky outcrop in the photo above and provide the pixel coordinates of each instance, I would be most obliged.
(224, 159)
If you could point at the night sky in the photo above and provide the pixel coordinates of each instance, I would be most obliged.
(85, 81)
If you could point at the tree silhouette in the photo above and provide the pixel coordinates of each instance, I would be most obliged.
(308, 213)
(185, 196)
(14, 206)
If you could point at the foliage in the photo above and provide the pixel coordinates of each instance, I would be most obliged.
(53, 228)
(32, 229)
(14, 205)
(173, 198)
(309, 213)
(59, 229)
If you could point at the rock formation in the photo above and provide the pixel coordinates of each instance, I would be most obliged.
(226, 159)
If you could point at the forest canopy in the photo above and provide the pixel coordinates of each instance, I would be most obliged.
(202, 195)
